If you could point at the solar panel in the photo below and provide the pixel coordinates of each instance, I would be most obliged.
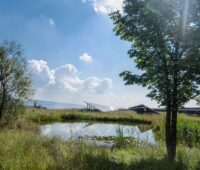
(99, 107)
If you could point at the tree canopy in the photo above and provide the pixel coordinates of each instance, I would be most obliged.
(165, 39)
(165, 45)
(15, 85)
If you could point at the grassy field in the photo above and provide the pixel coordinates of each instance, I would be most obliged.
(22, 147)
(46, 116)
(26, 150)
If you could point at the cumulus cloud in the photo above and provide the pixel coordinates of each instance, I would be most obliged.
(40, 73)
(95, 85)
(86, 58)
(65, 84)
(106, 6)
(64, 79)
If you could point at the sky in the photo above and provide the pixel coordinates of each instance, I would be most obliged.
(71, 51)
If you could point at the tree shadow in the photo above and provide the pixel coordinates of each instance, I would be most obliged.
(105, 163)
(198, 166)
(157, 164)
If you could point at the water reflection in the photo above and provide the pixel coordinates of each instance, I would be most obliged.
(85, 131)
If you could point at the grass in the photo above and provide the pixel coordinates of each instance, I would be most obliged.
(189, 130)
(46, 116)
(22, 147)
(22, 150)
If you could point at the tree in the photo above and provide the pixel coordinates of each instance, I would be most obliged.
(15, 85)
(165, 45)
(198, 100)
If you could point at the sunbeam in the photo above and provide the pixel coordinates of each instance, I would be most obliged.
(185, 15)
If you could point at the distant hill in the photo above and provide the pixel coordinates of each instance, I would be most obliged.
(53, 105)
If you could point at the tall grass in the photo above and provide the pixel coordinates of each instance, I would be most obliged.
(189, 130)
(22, 150)
(120, 140)
(43, 115)
(21, 146)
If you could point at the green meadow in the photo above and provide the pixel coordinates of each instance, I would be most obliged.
(22, 146)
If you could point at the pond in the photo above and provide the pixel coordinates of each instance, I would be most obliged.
(91, 132)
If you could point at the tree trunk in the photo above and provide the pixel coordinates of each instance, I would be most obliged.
(171, 130)
(168, 129)
(1, 107)
(2, 104)
(172, 109)
(173, 133)
(174, 119)
(169, 124)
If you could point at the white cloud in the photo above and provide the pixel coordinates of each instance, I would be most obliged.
(51, 22)
(64, 84)
(95, 85)
(40, 72)
(64, 80)
(86, 58)
(66, 77)
(106, 6)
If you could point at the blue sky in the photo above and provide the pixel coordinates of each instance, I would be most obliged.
(72, 53)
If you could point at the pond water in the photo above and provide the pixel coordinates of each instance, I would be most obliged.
(88, 131)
